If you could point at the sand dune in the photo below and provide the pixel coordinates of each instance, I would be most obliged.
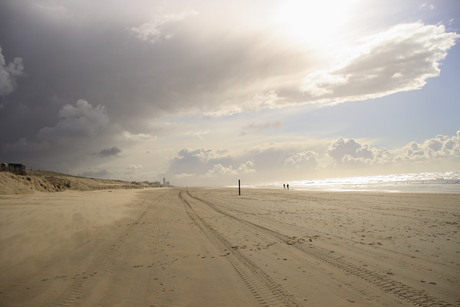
(210, 247)
(54, 182)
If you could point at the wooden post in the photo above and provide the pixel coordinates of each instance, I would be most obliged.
(239, 187)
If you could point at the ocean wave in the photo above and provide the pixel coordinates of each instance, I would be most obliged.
(428, 182)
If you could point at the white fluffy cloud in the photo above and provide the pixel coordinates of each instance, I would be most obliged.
(349, 152)
(346, 149)
(219, 169)
(197, 162)
(9, 73)
(441, 146)
(399, 59)
(207, 163)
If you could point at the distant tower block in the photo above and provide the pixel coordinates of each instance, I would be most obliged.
(164, 181)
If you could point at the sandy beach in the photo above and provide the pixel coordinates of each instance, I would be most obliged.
(211, 247)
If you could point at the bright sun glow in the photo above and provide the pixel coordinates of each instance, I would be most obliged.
(316, 23)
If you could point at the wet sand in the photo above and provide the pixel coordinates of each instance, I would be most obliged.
(211, 247)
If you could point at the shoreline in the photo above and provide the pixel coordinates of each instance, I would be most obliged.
(339, 190)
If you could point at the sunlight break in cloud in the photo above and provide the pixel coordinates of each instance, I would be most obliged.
(400, 59)
(314, 23)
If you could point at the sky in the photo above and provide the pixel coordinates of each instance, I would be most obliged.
(204, 93)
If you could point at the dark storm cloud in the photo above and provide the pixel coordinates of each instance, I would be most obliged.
(9, 72)
(81, 120)
(114, 151)
(80, 128)
(136, 66)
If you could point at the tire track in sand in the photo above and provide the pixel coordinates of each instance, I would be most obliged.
(263, 288)
(384, 282)
(75, 291)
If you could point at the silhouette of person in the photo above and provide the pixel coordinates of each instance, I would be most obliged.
(284, 186)
(287, 186)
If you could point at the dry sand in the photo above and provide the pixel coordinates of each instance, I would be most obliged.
(210, 247)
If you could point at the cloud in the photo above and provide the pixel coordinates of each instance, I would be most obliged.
(81, 120)
(9, 73)
(110, 57)
(439, 147)
(75, 123)
(257, 127)
(50, 10)
(137, 72)
(349, 152)
(137, 137)
(70, 143)
(304, 160)
(202, 164)
(265, 125)
(219, 169)
(275, 161)
(198, 161)
(290, 161)
(134, 168)
(161, 28)
(348, 148)
(399, 59)
(198, 134)
(114, 151)
(244, 73)
(428, 6)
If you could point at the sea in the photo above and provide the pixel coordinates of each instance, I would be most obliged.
(429, 182)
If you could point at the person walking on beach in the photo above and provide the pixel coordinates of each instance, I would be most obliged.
(287, 186)
(284, 186)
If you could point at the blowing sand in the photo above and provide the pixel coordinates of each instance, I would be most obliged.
(210, 247)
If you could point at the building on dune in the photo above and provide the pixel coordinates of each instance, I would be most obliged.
(15, 168)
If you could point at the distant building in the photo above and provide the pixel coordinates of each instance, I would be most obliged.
(15, 168)
(165, 183)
